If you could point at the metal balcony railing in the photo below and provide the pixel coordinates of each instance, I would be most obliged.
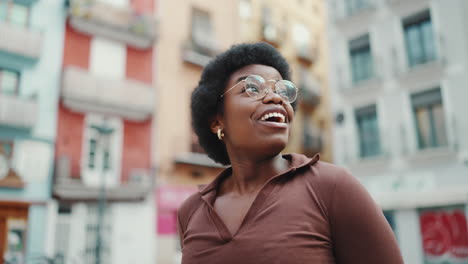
(121, 24)
(67, 188)
(18, 112)
(20, 46)
(84, 92)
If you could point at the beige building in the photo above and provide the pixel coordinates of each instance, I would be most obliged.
(191, 32)
(298, 29)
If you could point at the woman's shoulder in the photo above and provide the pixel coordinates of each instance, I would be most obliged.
(317, 170)
(189, 206)
(326, 178)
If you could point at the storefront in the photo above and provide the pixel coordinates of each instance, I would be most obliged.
(168, 200)
(13, 231)
(444, 234)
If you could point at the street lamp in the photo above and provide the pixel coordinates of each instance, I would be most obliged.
(104, 134)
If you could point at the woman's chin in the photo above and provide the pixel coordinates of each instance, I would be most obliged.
(274, 146)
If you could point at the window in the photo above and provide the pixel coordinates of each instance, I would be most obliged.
(429, 119)
(91, 234)
(419, 38)
(311, 136)
(389, 215)
(63, 230)
(105, 53)
(354, 6)
(202, 32)
(93, 151)
(9, 81)
(361, 59)
(302, 39)
(245, 9)
(14, 13)
(6, 152)
(6, 147)
(102, 150)
(16, 240)
(368, 130)
(309, 88)
(271, 33)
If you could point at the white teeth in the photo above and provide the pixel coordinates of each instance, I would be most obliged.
(281, 116)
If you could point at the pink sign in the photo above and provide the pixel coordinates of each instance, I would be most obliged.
(445, 234)
(168, 200)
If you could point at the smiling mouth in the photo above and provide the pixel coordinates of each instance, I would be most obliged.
(273, 117)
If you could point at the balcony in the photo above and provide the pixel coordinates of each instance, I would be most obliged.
(84, 92)
(313, 142)
(197, 159)
(18, 112)
(363, 91)
(121, 24)
(355, 19)
(309, 91)
(427, 74)
(198, 54)
(306, 54)
(271, 33)
(73, 189)
(19, 47)
(405, 7)
(26, 2)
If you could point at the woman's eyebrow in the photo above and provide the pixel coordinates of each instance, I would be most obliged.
(241, 78)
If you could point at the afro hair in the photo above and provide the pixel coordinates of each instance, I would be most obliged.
(206, 102)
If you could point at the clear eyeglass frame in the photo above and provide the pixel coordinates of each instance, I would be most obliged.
(255, 87)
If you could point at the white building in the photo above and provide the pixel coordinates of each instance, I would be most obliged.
(399, 77)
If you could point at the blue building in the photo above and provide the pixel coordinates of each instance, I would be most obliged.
(31, 44)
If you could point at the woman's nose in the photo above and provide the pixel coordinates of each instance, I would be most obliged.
(272, 97)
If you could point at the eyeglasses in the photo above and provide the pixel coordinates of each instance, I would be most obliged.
(255, 87)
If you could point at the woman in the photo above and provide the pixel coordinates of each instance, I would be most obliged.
(268, 207)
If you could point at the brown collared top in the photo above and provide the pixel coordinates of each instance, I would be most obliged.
(315, 212)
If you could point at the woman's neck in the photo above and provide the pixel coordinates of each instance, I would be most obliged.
(249, 175)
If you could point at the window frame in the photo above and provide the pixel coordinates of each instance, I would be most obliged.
(10, 4)
(18, 80)
(360, 49)
(415, 23)
(197, 31)
(373, 147)
(355, 6)
(92, 175)
(92, 215)
(426, 100)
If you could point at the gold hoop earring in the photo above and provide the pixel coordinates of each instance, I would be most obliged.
(220, 134)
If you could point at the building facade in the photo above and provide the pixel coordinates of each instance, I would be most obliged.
(398, 73)
(298, 30)
(31, 33)
(103, 209)
(191, 33)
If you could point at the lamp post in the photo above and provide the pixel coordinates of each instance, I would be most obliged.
(104, 134)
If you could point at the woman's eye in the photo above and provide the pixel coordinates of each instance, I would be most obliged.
(251, 88)
(282, 92)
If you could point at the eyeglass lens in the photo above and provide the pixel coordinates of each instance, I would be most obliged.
(255, 87)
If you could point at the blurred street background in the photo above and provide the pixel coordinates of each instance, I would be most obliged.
(96, 147)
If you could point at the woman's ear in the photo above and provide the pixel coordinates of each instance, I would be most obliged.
(216, 123)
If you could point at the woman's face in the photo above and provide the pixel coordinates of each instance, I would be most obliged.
(247, 126)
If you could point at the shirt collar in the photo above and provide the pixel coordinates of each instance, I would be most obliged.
(297, 161)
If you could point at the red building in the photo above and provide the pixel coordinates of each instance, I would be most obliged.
(103, 145)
